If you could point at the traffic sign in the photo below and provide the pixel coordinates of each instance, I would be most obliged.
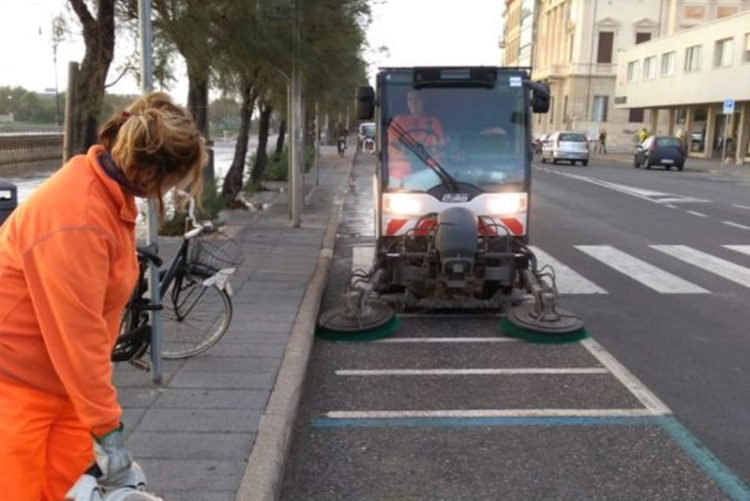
(728, 106)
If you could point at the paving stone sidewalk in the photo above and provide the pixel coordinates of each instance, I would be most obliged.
(194, 433)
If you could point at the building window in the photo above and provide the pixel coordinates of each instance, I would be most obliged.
(636, 115)
(693, 58)
(551, 109)
(746, 52)
(724, 52)
(642, 36)
(649, 68)
(606, 43)
(600, 109)
(565, 109)
(633, 71)
(667, 64)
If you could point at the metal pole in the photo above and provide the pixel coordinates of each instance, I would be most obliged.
(317, 141)
(724, 139)
(70, 96)
(296, 126)
(152, 222)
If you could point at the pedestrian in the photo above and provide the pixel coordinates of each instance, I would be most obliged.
(603, 141)
(68, 265)
(642, 135)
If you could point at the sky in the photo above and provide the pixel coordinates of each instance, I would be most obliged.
(416, 32)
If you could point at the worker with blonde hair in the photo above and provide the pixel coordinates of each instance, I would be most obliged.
(68, 266)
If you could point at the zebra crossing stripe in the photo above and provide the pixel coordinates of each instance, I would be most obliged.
(567, 280)
(721, 267)
(745, 249)
(362, 256)
(641, 271)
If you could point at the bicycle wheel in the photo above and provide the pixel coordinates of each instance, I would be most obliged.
(194, 317)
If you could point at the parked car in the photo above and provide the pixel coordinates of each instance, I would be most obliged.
(366, 129)
(566, 146)
(660, 150)
(539, 142)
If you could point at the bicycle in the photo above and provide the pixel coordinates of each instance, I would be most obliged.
(341, 145)
(196, 305)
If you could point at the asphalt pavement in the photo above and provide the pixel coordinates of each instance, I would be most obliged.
(447, 409)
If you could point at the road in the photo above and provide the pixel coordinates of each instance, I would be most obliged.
(654, 406)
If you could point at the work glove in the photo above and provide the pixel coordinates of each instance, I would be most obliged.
(112, 458)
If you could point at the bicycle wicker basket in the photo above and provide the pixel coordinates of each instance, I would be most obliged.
(216, 251)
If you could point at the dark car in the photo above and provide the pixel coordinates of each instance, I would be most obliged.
(660, 150)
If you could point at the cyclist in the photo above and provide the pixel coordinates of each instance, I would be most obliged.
(341, 134)
(68, 265)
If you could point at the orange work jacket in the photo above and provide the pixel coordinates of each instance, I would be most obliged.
(424, 130)
(67, 268)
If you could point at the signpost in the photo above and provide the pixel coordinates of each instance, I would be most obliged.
(728, 111)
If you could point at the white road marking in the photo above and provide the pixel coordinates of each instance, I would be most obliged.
(362, 257)
(694, 213)
(448, 340)
(489, 413)
(725, 269)
(641, 271)
(745, 249)
(741, 206)
(659, 197)
(736, 225)
(568, 281)
(466, 372)
(638, 389)
(670, 206)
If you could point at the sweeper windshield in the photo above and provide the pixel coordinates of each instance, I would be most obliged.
(475, 134)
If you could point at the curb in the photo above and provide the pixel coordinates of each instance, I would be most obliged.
(264, 473)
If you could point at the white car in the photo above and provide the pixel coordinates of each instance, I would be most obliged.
(566, 146)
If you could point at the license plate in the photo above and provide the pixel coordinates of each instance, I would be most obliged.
(667, 161)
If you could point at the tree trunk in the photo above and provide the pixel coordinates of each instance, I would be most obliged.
(198, 106)
(197, 100)
(261, 157)
(280, 139)
(99, 37)
(233, 180)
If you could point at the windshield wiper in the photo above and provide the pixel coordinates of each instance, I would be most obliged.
(420, 152)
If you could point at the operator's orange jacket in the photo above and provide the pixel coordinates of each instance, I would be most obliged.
(67, 268)
(426, 131)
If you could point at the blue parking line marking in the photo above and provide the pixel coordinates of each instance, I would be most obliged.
(325, 422)
(727, 481)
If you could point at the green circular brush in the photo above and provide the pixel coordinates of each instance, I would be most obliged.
(523, 322)
(374, 321)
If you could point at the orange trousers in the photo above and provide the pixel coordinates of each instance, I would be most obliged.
(44, 448)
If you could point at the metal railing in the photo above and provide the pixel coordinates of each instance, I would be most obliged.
(30, 147)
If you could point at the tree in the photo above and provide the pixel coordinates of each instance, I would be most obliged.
(99, 38)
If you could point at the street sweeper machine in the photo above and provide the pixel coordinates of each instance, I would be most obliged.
(452, 200)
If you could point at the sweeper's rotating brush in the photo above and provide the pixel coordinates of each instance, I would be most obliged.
(368, 322)
(556, 326)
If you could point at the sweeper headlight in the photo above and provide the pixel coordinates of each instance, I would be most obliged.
(402, 204)
(506, 204)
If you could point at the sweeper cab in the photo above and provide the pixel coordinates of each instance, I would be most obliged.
(453, 194)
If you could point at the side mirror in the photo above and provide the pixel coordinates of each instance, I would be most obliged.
(539, 96)
(365, 103)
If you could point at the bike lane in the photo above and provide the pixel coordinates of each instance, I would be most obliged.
(447, 409)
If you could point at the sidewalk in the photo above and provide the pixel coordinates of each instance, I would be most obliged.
(707, 165)
(218, 426)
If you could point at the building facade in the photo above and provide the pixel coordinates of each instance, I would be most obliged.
(576, 46)
(684, 80)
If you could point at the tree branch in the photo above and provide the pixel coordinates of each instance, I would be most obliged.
(83, 13)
